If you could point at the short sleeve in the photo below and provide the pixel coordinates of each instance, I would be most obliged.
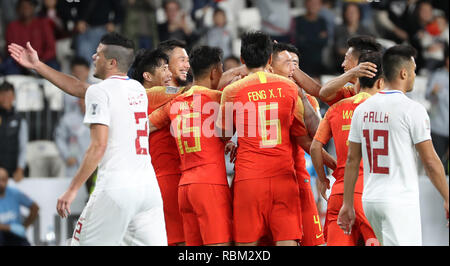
(344, 92)
(97, 106)
(419, 125)
(323, 133)
(161, 116)
(23, 199)
(298, 128)
(299, 109)
(355, 128)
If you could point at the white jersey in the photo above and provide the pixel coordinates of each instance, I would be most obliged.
(121, 104)
(388, 125)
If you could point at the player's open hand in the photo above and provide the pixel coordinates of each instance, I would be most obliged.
(64, 202)
(364, 69)
(25, 56)
(346, 218)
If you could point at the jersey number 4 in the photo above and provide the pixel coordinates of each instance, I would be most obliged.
(373, 154)
(140, 133)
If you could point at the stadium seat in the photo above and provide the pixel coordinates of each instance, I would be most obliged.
(43, 159)
(249, 19)
(29, 97)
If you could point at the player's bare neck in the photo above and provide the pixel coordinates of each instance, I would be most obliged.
(396, 86)
(202, 82)
(254, 70)
(115, 73)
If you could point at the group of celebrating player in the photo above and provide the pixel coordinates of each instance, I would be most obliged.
(268, 102)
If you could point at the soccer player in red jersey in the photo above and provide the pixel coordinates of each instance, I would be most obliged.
(336, 124)
(344, 86)
(204, 195)
(151, 69)
(284, 62)
(261, 107)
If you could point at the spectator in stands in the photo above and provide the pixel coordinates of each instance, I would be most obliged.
(29, 28)
(276, 19)
(176, 26)
(49, 10)
(438, 94)
(311, 37)
(72, 138)
(351, 15)
(218, 35)
(79, 68)
(231, 62)
(13, 134)
(433, 41)
(94, 20)
(140, 23)
(12, 228)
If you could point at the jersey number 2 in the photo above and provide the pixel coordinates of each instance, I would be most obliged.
(373, 154)
(140, 133)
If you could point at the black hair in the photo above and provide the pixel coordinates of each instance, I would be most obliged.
(375, 58)
(147, 61)
(256, 49)
(280, 47)
(6, 86)
(363, 44)
(77, 61)
(218, 10)
(168, 46)
(32, 2)
(166, 2)
(119, 48)
(117, 39)
(203, 58)
(346, 6)
(395, 58)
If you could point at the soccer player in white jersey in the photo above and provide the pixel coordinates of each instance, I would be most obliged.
(126, 205)
(385, 130)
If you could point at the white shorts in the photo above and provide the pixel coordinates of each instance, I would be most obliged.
(125, 216)
(395, 224)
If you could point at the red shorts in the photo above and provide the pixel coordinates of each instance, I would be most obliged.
(312, 228)
(266, 206)
(206, 212)
(168, 185)
(361, 230)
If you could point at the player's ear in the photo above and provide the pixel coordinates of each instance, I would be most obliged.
(270, 60)
(147, 76)
(242, 60)
(379, 84)
(403, 73)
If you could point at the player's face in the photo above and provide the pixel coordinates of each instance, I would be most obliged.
(283, 65)
(179, 64)
(100, 61)
(349, 61)
(162, 76)
(411, 75)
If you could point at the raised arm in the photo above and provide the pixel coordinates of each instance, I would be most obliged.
(28, 58)
(329, 91)
(232, 75)
(306, 82)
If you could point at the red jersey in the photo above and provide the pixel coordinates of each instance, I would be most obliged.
(192, 116)
(264, 106)
(336, 124)
(162, 146)
(345, 92)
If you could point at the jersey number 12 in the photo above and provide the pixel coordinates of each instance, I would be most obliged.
(373, 154)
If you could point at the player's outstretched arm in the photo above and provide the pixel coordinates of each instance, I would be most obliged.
(93, 156)
(306, 82)
(329, 91)
(28, 58)
(346, 217)
(317, 160)
(434, 169)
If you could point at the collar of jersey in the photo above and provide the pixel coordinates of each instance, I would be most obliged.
(119, 77)
(390, 92)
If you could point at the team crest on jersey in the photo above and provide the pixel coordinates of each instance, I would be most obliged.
(94, 108)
